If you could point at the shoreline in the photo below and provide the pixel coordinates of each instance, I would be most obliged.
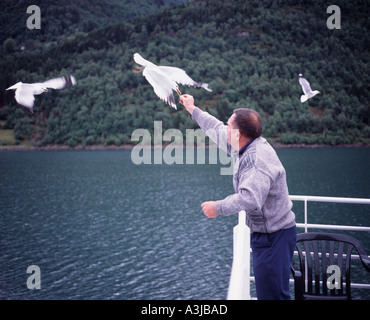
(130, 147)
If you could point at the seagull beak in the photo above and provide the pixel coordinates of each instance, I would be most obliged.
(178, 92)
(45, 90)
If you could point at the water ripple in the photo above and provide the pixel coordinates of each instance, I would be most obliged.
(100, 227)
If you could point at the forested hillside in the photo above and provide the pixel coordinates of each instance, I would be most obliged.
(250, 53)
(63, 20)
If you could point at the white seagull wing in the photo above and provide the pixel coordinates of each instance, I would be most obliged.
(15, 86)
(24, 95)
(161, 84)
(60, 83)
(180, 76)
(305, 86)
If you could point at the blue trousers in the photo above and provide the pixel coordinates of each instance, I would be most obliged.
(272, 255)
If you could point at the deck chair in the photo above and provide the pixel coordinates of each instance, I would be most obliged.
(318, 251)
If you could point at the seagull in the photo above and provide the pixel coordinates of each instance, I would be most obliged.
(24, 92)
(308, 93)
(165, 79)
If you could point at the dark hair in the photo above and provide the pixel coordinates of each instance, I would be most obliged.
(248, 122)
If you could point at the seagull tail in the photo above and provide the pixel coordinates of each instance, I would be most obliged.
(140, 60)
(304, 98)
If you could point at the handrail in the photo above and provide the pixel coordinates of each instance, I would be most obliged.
(242, 245)
(306, 225)
(330, 199)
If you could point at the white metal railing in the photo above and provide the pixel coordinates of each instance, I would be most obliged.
(307, 225)
(239, 286)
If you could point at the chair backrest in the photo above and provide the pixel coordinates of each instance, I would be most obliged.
(325, 264)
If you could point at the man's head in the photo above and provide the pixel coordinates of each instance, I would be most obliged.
(248, 123)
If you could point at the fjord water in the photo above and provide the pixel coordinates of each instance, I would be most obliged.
(100, 227)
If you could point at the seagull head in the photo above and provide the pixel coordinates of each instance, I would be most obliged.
(301, 75)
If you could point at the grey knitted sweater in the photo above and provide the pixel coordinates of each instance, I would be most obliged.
(259, 181)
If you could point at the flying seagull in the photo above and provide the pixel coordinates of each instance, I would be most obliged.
(165, 79)
(24, 92)
(308, 93)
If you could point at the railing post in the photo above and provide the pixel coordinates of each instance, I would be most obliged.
(305, 215)
(239, 287)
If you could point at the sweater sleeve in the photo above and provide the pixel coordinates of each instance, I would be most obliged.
(212, 127)
(253, 190)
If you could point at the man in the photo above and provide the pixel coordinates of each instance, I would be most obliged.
(261, 190)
